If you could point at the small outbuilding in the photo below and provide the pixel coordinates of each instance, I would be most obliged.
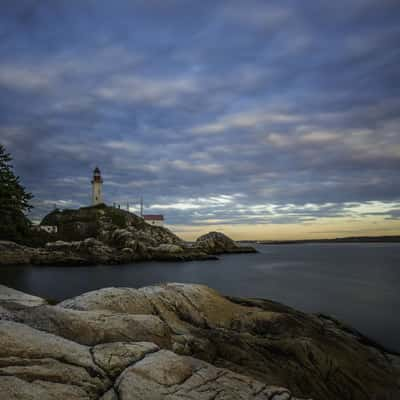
(154, 219)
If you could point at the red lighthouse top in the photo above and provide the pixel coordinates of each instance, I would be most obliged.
(97, 175)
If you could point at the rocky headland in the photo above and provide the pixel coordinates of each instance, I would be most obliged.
(181, 341)
(106, 235)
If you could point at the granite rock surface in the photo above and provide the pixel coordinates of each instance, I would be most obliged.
(182, 341)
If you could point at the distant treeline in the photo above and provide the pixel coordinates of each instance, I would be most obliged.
(352, 239)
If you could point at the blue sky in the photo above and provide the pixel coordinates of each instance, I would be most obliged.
(275, 119)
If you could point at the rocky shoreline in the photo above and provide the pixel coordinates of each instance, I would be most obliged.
(181, 341)
(121, 246)
(94, 252)
(105, 235)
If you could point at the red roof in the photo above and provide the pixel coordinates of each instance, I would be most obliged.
(154, 217)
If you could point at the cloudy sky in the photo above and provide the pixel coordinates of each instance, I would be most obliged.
(262, 119)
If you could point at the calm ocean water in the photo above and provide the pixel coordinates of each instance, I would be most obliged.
(357, 283)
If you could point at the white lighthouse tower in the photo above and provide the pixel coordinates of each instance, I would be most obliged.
(97, 184)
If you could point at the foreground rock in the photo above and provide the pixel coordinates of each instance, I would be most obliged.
(9, 295)
(179, 341)
(106, 235)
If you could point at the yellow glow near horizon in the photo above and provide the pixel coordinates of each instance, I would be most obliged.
(318, 229)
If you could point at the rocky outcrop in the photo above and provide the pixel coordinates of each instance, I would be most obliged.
(9, 295)
(14, 254)
(118, 236)
(95, 327)
(110, 225)
(39, 365)
(218, 243)
(92, 252)
(122, 230)
(58, 253)
(165, 375)
(179, 341)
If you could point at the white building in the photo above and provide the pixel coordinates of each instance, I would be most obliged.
(154, 219)
(49, 228)
(46, 228)
(97, 186)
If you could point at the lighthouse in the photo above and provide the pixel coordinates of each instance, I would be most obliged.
(97, 183)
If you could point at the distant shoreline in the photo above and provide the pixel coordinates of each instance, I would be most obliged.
(351, 239)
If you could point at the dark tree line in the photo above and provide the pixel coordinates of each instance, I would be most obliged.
(14, 201)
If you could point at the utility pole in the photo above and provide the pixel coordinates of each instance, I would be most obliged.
(141, 206)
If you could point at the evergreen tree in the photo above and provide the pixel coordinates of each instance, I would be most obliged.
(14, 201)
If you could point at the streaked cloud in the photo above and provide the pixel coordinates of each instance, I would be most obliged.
(162, 92)
(208, 168)
(245, 120)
